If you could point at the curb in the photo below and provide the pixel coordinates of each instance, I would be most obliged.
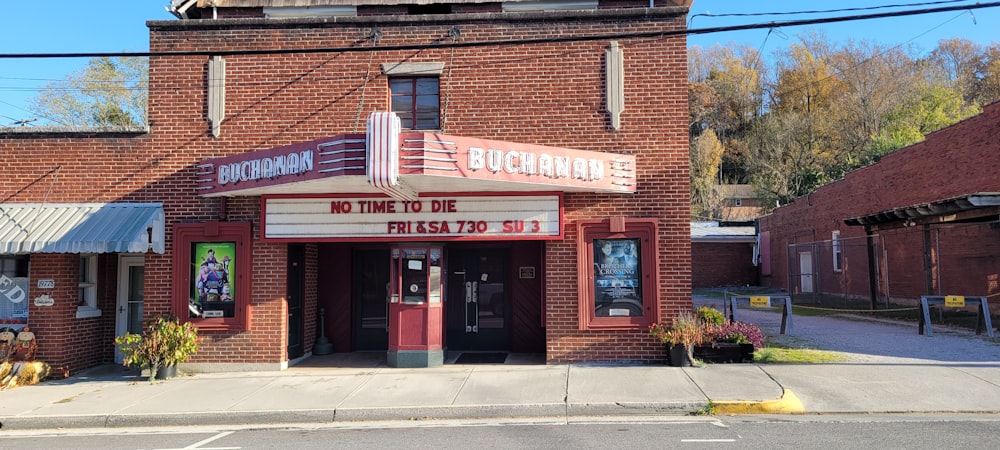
(787, 404)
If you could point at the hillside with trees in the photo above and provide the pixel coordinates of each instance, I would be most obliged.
(807, 114)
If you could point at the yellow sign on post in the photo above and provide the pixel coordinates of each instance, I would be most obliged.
(954, 301)
(760, 302)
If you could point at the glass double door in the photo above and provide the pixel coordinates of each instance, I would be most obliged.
(477, 304)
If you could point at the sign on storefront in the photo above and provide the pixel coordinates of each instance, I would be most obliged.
(474, 217)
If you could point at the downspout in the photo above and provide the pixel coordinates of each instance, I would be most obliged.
(929, 261)
(872, 269)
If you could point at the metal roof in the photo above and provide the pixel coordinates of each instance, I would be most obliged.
(714, 232)
(81, 228)
(936, 208)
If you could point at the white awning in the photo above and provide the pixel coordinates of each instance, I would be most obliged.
(81, 228)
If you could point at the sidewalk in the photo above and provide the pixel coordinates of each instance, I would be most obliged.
(359, 386)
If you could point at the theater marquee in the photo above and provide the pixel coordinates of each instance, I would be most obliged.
(445, 217)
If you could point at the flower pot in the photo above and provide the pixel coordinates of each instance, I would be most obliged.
(724, 352)
(677, 355)
(166, 372)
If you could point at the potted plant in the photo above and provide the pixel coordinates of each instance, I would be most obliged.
(680, 338)
(731, 341)
(164, 343)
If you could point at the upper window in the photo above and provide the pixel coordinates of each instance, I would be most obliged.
(416, 100)
(13, 290)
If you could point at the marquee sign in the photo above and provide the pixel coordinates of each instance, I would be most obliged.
(444, 217)
(403, 164)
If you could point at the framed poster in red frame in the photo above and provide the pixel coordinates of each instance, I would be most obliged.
(618, 274)
(211, 273)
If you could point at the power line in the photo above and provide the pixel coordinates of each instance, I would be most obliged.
(648, 34)
(820, 11)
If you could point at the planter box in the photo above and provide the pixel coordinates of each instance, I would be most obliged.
(724, 352)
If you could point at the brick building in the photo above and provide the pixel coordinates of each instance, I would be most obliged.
(416, 178)
(723, 254)
(921, 221)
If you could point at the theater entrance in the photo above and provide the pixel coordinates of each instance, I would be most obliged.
(478, 305)
(371, 316)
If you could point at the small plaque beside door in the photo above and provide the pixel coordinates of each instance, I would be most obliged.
(527, 272)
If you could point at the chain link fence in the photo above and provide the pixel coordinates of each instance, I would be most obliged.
(889, 272)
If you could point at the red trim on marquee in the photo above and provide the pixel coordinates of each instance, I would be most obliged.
(395, 162)
(333, 156)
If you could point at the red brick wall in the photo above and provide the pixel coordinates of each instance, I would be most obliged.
(722, 264)
(545, 93)
(952, 162)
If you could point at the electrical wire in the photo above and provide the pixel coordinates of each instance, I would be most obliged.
(509, 42)
(659, 34)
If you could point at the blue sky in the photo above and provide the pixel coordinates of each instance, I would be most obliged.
(65, 26)
(924, 30)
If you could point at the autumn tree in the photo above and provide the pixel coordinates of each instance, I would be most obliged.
(108, 92)
(877, 81)
(706, 158)
(959, 60)
(987, 88)
(726, 96)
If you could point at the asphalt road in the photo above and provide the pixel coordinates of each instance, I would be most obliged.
(829, 432)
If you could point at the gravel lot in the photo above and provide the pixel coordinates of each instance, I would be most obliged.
(866, 340)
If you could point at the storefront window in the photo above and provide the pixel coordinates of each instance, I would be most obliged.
(13, 290)
(414, 275)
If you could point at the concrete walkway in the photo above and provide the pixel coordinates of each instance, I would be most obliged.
(961, 374)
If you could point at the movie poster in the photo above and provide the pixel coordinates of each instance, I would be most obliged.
(617, 287)
(213, 286)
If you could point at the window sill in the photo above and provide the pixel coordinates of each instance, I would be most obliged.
(87, 312)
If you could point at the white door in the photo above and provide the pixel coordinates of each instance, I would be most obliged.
(128, 311)
(806, 271)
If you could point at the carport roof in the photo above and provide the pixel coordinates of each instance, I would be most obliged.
(956, 205)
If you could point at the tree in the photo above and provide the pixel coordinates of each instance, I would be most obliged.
(937, 106)
(878, 80)
(959, 59)
(108, 92)
(706, 157)
(987, 88)
(781, 160)
(725, 93)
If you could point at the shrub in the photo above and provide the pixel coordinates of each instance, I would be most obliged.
(738, 332)
(164, 342)
(686, 330)
(710, 316)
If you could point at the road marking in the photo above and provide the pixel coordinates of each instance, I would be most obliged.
(708, 440)
(198, 445)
